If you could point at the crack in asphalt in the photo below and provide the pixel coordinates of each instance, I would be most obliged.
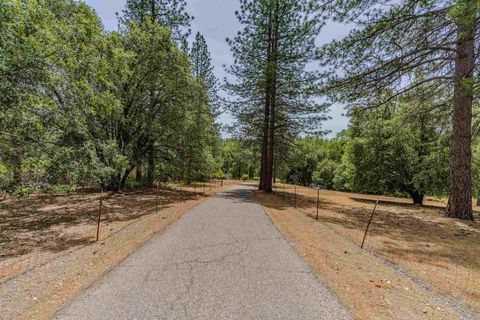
(222, 260)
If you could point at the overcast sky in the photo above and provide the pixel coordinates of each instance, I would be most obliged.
(215, 19)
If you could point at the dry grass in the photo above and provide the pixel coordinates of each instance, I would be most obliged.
(36, 230)
(444, 253)
(130, 219)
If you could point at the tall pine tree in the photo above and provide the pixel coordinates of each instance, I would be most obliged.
(170, 13)
(395, 43)
(203, 70)
(273, 86)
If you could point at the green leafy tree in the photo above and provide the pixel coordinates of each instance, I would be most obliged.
(324, 173)
(81, 106)
(22, 68)
(238, 159)
(304, 159)
(393, 151)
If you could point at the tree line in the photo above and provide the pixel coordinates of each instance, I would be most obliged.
(84, 106)
(388, 150)
(81, 106)
(412, 55)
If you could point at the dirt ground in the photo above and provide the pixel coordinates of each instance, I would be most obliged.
(48, 251)
(441, 254)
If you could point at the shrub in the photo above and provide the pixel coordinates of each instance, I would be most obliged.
(23, 191)
(245, 177)
(219, 175)
(65, 188)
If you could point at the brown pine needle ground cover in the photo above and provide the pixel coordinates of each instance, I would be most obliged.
(49, 254)
(441, 253)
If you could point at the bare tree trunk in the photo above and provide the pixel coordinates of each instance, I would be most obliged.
(417, 197)
(17, 163)
(139, 174)
(123, 180)
(460, 199)
(151, 168)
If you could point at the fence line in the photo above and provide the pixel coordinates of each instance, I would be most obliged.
(462, 282)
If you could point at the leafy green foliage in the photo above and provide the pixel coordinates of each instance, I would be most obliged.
(387, 151)
(82, 107)
(395, 152)
(411, 49)
(238, 159)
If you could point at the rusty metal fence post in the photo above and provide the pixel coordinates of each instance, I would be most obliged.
(295, 200)
(369, 222)
(318, 199)
(156, 199)
(99, 217)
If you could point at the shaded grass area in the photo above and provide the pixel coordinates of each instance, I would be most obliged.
(442, 252)
(38, 229)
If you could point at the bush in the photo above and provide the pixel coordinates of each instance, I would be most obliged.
(219, 175)
(65, 188)
(245, 177)
(8, 186)
(324, 173)
(134, 184)
(23, 191)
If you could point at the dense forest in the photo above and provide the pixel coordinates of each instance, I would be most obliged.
(85, 107)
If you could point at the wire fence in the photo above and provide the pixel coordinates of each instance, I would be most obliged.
(432, 250)
(36, 230)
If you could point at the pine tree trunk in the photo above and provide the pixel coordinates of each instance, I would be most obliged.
(460, 199)
(273, 100)
(263, 166)
(264, 174)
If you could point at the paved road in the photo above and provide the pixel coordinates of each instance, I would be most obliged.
(223, 260)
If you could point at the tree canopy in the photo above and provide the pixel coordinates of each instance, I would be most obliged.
(82, 106)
